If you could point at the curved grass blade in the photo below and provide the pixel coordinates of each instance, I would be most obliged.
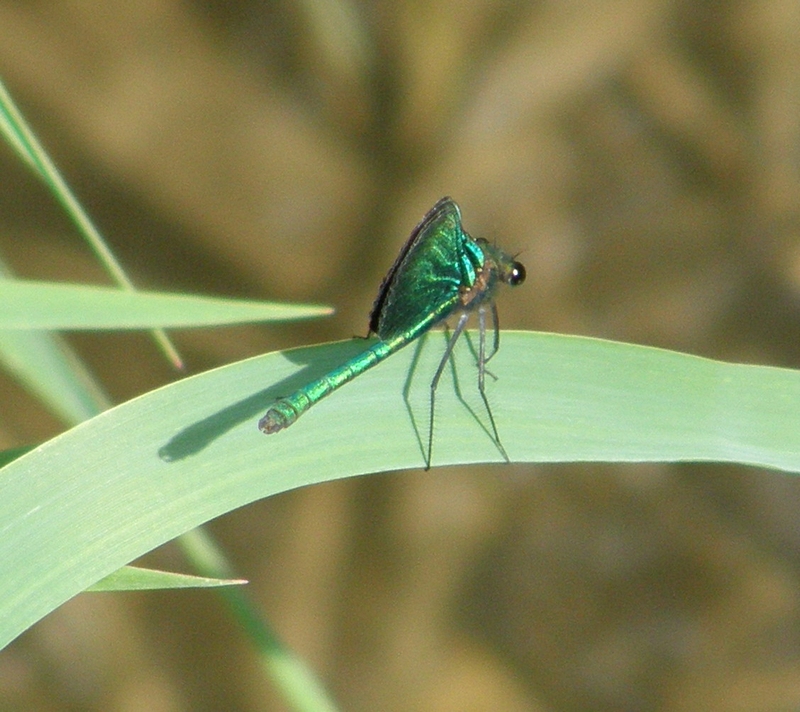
(93, 499)
(48, 367)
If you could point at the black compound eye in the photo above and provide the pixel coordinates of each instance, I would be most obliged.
(517, 274)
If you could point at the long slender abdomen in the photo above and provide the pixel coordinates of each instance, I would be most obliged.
(286, 410)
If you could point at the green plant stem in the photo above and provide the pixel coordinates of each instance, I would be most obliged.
(295, 681)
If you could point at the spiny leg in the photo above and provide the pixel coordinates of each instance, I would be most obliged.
(462, 322)
(482, 369)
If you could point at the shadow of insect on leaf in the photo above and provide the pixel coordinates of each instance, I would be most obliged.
(196, 437)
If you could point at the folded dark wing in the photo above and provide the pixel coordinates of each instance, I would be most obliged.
(422, 287)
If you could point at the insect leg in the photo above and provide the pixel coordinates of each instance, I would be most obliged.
(496, 328)
(448, 352)
(482, 369)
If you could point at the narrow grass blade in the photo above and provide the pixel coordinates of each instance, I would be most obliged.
(46, 365)
(136, 578)
(22, 139)
(293, 678)
(57, 306)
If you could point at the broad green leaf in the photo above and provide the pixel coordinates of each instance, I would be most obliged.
(86, 503)
(136, 578)
(52, 305)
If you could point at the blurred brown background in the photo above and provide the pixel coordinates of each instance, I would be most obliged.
(643, 156)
